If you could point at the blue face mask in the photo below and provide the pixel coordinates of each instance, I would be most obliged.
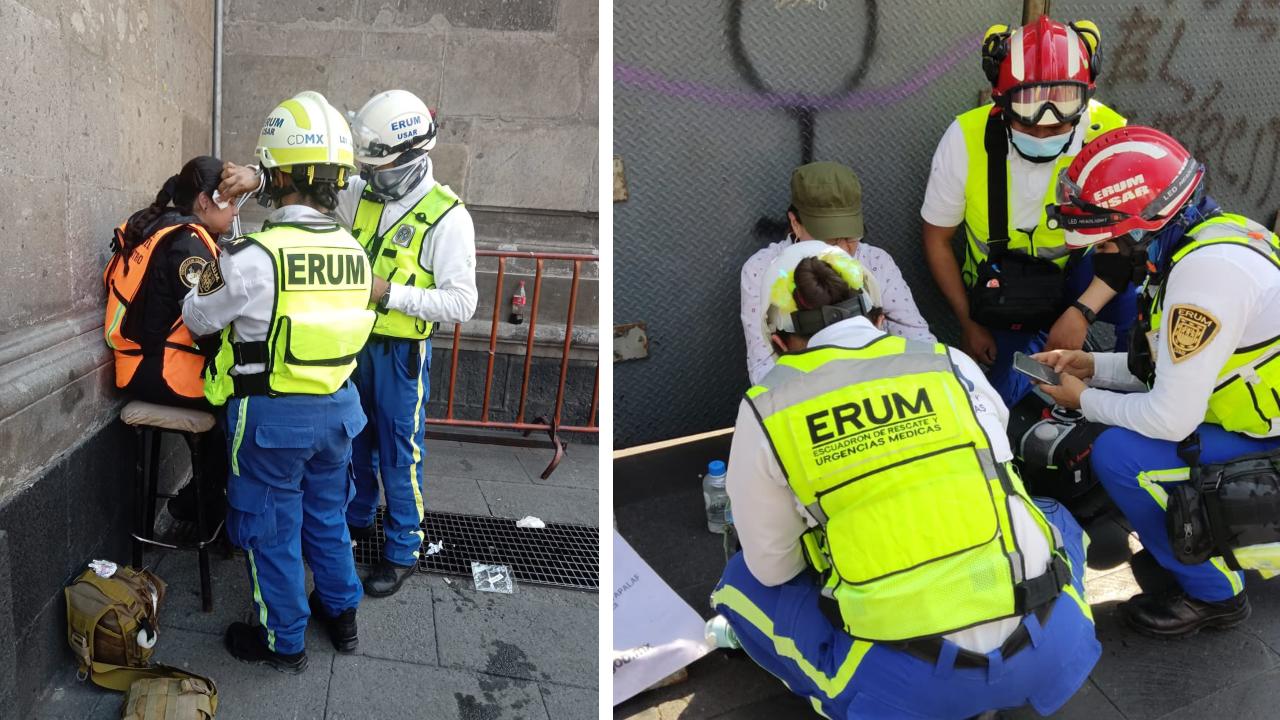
(1034, 148)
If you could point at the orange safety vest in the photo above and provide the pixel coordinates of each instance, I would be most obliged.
(182, 360)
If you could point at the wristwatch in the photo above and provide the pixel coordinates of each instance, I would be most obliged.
(1088, 314)
(386, 297)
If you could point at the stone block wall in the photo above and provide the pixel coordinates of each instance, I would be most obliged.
(101, 102)
(513, 83)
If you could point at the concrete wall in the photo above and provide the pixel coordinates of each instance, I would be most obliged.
(757, 88)
(101, 102)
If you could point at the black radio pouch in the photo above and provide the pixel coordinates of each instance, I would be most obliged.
(1224, 506)
(1011, 290)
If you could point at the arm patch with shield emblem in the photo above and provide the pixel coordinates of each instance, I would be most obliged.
(210, 278)
(1190, 330)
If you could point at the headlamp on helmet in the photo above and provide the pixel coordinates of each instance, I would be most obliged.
(1128, 182)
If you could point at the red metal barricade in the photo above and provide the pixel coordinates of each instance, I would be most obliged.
(551, 425)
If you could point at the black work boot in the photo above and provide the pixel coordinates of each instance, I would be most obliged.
(360, 534)
(1176, 614)
(341, 628)
(244, 642)
(386, 578)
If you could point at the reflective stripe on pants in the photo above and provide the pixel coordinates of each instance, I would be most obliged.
(394, 384)
(785, 632)
(288, 502)
(1134, 469)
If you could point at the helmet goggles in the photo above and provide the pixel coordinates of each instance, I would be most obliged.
(1089, 216)
(369, 144)
(1047, 103)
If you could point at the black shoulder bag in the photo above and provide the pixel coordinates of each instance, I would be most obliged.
(1012, 290)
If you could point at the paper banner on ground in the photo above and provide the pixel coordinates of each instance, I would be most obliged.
(655, 633)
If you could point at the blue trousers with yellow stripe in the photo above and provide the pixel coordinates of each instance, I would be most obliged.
(785, 632)
(393, 377)
(1135, 470)
(287, 494)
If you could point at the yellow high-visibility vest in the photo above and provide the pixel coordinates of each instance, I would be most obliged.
(319, 323)
(396, 255)
(1041, 242)
(883, 448)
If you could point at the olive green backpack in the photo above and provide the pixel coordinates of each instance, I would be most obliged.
(112, 629)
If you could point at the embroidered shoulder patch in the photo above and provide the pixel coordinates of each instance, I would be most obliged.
(210, 278)
(1190, 329)
(190, 269)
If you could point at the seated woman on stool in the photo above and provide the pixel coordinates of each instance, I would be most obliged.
(158, 255)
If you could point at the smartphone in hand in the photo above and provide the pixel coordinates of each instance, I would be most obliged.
(1035, 369)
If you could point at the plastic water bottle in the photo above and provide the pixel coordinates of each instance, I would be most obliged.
(720, 634)
(714, 496)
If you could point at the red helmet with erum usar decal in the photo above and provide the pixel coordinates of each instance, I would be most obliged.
(1130, 180)
(1042, 73)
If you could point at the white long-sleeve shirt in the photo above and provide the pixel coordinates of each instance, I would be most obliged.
(770, 520)
(448, 251)
(902, 317)
(244, 297)
(1235, 287)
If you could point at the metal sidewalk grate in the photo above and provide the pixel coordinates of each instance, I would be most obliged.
(560, 555)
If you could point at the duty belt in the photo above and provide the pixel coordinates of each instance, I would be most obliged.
(930, 649)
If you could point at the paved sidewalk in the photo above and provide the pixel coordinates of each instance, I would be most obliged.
(438, 649)
(1216, 674)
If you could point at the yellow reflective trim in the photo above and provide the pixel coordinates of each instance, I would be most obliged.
(115, 322)
(235, 447)
(262, 605)
(1237, 585)
(1151, 479)
(733, 599)
(756, 391)
(1070, 589)
(417, 452)
(298, 112)
(817, 707)
(1265, 558)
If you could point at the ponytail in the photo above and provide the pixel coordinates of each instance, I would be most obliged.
(141, 220)
(200, 175)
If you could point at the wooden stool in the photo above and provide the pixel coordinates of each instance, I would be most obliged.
(149, 422)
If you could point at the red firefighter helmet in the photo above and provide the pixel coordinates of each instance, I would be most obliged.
(1130, 180)
(1042, 73)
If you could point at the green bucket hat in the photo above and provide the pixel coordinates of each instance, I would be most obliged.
(828, 198)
